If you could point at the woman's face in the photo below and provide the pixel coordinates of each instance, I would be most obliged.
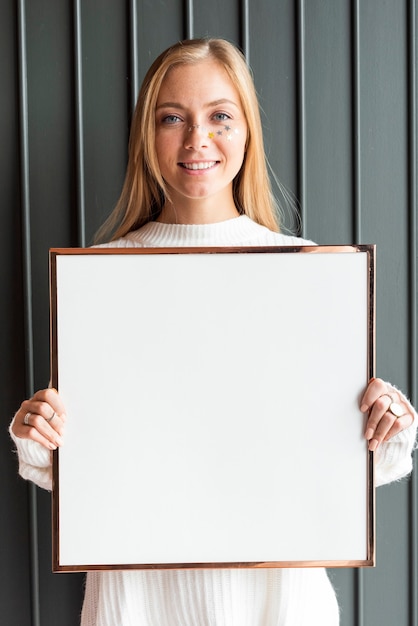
(200, 139)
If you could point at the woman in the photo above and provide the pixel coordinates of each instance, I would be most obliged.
(197, 176)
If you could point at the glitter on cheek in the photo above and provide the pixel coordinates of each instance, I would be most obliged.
(228, 132)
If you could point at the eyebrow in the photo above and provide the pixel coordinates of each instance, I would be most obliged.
(178, 105)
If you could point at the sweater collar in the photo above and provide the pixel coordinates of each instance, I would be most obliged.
(230, 232)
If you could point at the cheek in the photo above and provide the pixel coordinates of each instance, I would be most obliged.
(226, 133)
(163, 151)
(160, 142)
(235, 149)
(231, 139)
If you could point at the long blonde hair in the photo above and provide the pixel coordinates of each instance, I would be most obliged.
(144, 192)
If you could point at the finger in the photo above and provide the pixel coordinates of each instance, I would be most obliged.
(33, 421)
(22, 431)
(382, 423)
(41, 418)
(52, 431)
(378, 410)
(51, 397)
(34, 418)
(48, 404)
(377, 432)
(399, 425)
(376, 388)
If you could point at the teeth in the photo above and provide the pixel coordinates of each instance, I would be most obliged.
(199, 166)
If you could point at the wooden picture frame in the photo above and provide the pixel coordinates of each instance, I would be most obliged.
(212, 400)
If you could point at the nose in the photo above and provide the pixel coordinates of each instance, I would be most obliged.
(196, 136)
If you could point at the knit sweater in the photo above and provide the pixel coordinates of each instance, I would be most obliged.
(213, 597)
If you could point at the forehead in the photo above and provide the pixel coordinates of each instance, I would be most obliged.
(204, 81)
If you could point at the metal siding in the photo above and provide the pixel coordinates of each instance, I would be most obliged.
(104, 77)
(159, 25)
(384, 154)
(222, 18)
(274, 69)
(413, 300)
(328, 121)
(14, 546)
(337, 84)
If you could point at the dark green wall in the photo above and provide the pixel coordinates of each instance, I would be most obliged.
(337, 83)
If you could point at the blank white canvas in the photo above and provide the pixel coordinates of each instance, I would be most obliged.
(212, 408)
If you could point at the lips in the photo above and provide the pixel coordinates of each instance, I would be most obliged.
(201, 165)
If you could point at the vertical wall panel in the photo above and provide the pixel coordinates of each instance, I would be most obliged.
(79, 123)
(222, 18)
(105, 75)
(327, 62)
(27, 284)
(14, 546)
(301, 102)
(384, 149)
(274, 70)
(356, 119)
(160, 24)
(384, 152)
(337, 86)
(413, 288)
(51, 193)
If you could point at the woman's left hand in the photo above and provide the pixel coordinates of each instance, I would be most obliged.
(389, 414)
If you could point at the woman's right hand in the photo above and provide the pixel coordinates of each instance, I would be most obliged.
(41, 418)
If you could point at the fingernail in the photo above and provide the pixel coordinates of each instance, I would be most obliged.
(63, 417)
(373, 445)
(369, 433)
(52, 446)
(59, 441)
(364, 408)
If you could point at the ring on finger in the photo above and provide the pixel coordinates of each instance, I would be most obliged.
(49, 419)
(394, 407)
(26, 419)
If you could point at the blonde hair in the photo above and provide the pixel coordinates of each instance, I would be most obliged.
(144, 192)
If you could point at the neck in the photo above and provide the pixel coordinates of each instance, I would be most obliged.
(197, 212)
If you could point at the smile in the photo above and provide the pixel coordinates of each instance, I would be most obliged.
(199, 166)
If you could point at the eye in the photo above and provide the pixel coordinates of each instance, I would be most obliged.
(171, 119)
(221, 117)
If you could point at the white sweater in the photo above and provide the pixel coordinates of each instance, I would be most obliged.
(231, 597)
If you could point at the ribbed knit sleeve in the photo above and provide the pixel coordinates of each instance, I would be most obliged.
(34, 461)
(394, 457)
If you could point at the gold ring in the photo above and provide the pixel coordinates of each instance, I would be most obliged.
(394, 407)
